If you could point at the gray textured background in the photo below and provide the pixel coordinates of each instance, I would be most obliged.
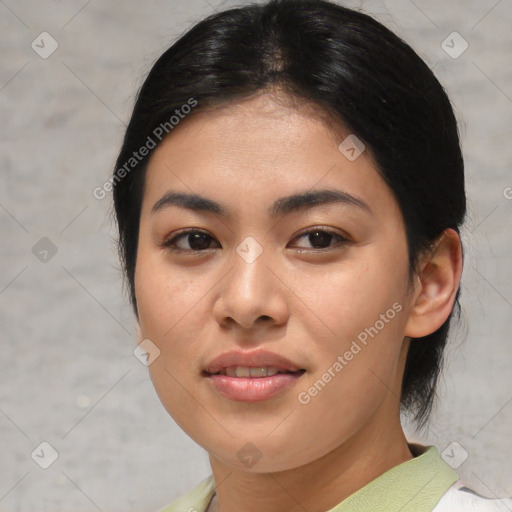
(68, 375)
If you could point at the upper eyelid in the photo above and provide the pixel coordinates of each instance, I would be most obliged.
(307, 231)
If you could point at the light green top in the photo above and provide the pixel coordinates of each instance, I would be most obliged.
(416, 485)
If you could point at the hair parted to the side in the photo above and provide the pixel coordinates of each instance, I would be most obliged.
(356, 70)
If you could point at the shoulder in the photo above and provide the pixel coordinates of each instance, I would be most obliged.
(460, 498)
(195, 500)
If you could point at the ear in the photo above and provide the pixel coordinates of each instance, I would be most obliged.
(438, 282)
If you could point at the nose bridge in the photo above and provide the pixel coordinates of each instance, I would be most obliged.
(247, 295)
(250, 262)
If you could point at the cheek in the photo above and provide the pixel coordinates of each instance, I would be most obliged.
(165, 320)
(339, 403)
(357, 346)
(350, 298)
(167, 317)
(165, 297)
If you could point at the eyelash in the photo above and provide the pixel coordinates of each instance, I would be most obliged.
(170, 244)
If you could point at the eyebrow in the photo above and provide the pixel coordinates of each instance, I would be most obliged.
(280, 207)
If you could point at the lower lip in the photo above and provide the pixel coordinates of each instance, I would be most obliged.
(253, 389)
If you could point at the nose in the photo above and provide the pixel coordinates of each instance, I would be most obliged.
(252, 292)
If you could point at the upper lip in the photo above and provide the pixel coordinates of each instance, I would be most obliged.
(252, 359)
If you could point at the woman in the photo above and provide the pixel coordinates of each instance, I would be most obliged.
(289, 196)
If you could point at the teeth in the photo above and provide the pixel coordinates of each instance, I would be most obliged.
(245, 371)
(242, 371)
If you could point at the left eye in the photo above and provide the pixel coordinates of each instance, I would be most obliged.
(199, 241)
(322, 237)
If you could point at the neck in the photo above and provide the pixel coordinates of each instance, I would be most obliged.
(319, 485)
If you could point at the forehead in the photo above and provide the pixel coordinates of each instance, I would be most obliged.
(260, 149)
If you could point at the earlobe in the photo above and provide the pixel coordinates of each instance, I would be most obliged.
(437, 286)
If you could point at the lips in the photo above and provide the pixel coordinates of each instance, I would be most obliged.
(251, 359)
(250, 376)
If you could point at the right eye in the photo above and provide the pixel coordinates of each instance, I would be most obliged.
(198, 241)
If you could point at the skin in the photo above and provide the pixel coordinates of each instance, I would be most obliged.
(308, 306)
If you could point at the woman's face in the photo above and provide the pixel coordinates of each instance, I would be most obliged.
(324, 285)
